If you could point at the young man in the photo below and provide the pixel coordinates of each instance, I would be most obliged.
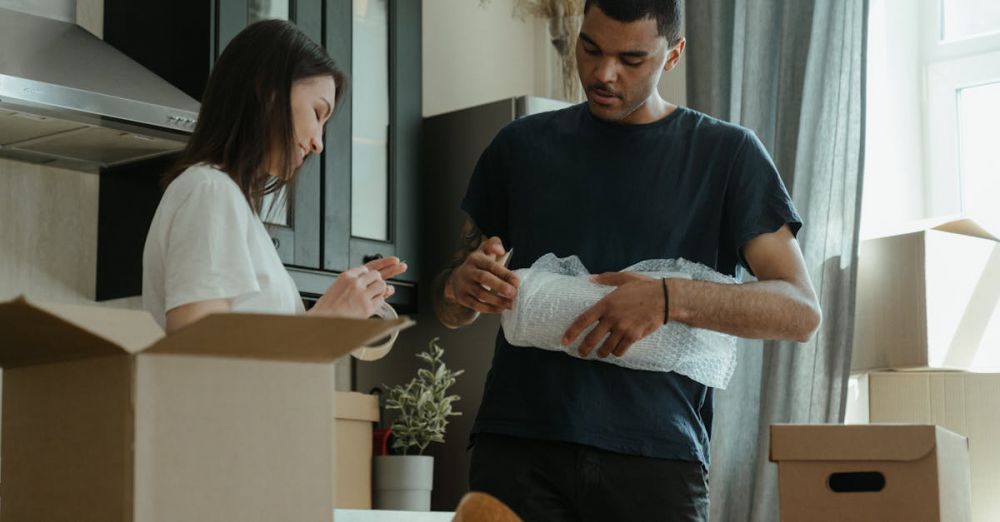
(625, 177)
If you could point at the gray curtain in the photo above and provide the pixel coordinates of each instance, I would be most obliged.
(793, 71)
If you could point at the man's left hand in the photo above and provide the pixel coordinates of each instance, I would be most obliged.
(629, 313)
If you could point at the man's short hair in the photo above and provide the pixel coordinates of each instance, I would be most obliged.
(667, 13)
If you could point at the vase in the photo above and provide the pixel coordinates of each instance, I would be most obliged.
(403, 482)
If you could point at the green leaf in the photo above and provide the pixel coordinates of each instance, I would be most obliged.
(423, 403)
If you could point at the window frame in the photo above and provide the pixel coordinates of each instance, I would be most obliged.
(948, 67)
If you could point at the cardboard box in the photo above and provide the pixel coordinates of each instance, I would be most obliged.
(965, 403)
(355, 414)
(886, 473)
(928, 299)
(104, 419)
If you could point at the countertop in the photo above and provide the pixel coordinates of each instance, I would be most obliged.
(378, 515)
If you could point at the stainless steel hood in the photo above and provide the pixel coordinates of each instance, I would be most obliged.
(68, 98)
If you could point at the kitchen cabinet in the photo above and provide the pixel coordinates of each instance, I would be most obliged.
(371, 143)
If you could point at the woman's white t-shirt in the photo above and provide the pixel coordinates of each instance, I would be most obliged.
(206, 243)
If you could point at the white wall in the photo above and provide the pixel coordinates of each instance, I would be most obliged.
(475, 54)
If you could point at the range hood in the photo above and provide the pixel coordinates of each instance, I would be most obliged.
(69, 99)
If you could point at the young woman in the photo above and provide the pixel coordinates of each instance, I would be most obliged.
(263, 112)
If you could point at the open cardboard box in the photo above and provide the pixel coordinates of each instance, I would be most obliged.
(105, 419)
(927, 299)
(888, 473)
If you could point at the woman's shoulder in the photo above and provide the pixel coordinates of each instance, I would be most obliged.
(203, 180)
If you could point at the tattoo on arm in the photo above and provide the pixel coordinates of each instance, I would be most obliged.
(472, 237)
(454, 315)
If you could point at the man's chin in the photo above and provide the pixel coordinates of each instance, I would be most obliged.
(604, 112)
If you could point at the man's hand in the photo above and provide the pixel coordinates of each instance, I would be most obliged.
(482, 283)
(629, 313)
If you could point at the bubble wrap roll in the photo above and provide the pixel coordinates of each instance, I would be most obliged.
(555, 291)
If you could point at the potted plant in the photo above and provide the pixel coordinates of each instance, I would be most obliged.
(404, 481)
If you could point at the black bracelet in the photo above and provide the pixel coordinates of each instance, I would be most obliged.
(666, 301)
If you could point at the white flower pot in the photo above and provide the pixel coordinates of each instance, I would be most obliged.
(403, 482)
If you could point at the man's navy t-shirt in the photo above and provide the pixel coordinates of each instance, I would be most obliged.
(569, 183)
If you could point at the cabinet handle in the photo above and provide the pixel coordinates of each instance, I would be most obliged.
(276, 241)
(371, 257)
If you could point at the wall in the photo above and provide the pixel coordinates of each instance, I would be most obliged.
(475, 53)
(48, 232)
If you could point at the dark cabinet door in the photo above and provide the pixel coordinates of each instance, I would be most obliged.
(373, 143)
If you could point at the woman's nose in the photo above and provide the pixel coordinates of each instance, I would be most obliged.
(316, 143)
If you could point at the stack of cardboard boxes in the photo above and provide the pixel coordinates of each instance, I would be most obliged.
(927, 342)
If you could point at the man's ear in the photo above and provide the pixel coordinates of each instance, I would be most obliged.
(674, 54)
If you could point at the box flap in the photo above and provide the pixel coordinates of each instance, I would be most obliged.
(356, 406)
(130, 330)
(40, 334)
(836, 442)
(276, 337)
(908, 227)
(967, 227)
(953, 223)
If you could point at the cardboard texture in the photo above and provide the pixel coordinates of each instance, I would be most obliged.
(105, 419)
(928, 300)
(965, 403)
(873, 472)
(355, 414)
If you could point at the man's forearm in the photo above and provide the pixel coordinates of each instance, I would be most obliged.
(774, 309)
(451, 314)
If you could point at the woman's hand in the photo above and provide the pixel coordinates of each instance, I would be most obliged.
(359, 292)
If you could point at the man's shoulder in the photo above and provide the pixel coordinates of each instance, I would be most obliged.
(710, 127)
(543, 122)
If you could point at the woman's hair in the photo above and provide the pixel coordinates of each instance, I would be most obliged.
(245, 122)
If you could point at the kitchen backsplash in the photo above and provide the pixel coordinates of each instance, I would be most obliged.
(48, 234)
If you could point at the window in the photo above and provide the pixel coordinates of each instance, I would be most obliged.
(933, 113)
